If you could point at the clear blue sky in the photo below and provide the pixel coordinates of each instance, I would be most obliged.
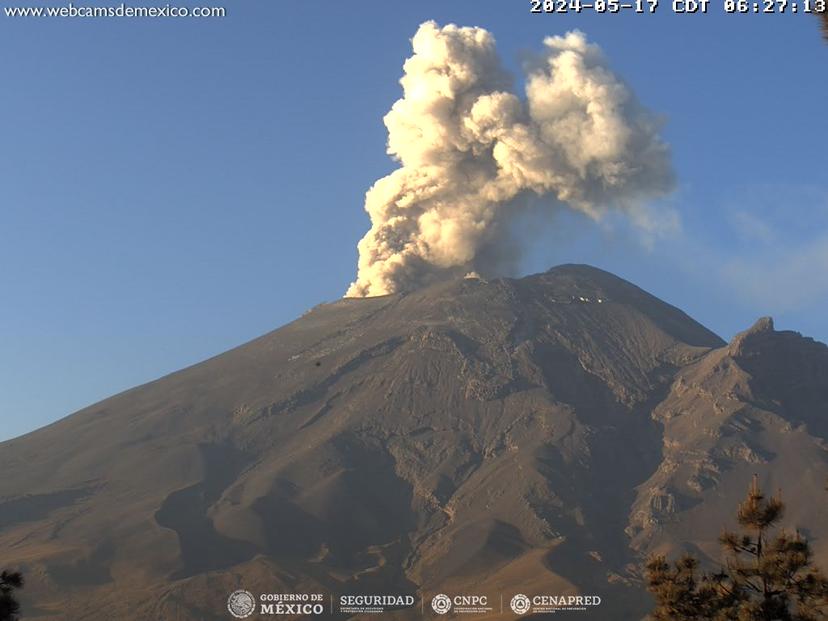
(172, 188)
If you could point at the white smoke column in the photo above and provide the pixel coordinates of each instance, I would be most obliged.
(471, 151)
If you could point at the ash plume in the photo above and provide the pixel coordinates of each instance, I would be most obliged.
(473, 155)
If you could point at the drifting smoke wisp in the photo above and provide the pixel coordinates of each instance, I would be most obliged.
(472, 154)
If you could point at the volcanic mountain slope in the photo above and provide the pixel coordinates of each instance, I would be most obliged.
(758, 405)
(538, 435)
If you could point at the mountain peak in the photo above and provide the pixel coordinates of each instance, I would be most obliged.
(760, 326)
(470, 431)
(752, 337)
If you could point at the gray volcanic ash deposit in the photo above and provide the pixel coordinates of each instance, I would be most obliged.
(514, 436)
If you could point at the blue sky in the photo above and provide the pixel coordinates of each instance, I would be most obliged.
(172, 188)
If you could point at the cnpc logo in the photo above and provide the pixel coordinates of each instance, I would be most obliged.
(441, 604)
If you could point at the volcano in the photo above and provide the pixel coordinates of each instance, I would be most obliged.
(533, 435)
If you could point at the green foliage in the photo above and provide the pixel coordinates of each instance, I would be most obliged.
(764, 579)
(9, 606)
(681, 593)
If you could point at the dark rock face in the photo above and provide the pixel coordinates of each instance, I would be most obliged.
(532, 435)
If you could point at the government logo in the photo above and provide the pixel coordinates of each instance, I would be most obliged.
(441, 604)
(520, 604)
(373, 604)
(241, 604)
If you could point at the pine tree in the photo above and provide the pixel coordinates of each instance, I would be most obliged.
(682, 594)
(764, 579)
(9, 606)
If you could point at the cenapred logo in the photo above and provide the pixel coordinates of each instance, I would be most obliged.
(441, 604)
(550, 604)
(241, 604)
(520, 604)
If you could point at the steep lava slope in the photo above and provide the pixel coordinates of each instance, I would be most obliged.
(508, 436)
